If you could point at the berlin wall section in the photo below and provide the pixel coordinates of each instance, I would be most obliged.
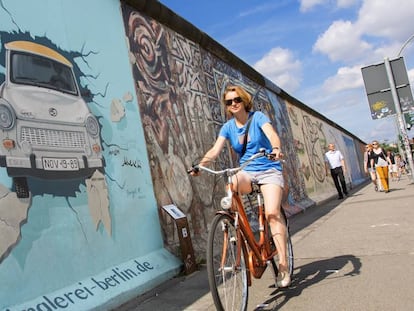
(103, 114)
(179, 75)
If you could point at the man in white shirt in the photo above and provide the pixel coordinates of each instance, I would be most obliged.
(334, 161)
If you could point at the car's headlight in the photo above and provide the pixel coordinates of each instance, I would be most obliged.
(7, 117)
(92, 126)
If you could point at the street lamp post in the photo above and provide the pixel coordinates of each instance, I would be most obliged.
(405, 44)
(400, 119)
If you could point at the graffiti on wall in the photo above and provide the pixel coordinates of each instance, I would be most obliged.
(295, 198)
(311, 139)
(301, 145)
(178, 87)
(314, 143)
(171, 102)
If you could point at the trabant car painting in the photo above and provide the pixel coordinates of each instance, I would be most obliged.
(46, 128)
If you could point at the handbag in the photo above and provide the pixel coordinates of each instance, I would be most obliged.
(381, 161)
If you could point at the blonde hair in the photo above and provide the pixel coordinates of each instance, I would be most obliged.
(243, 94)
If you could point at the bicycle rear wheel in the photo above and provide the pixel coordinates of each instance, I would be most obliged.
(228, 283)
(289, 253)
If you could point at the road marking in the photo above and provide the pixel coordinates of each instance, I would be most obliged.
(384, 225)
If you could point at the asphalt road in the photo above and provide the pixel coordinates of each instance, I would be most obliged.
(352, 254)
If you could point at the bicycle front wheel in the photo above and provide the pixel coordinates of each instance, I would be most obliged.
(227, 279)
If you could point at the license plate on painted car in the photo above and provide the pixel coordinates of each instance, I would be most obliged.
(60, 164)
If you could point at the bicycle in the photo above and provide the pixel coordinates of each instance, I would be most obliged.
(234, 254)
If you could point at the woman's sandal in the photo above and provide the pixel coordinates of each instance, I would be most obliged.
(283, 279)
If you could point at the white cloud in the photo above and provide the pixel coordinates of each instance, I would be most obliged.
(385, 18)
(388, 50)
(342, 42)
(346, 78)
(262, 8)
(346, 3)
(371, 38)
(383, 130)
(306, 5)
(379, 32)
(280, 66)
(411, 77)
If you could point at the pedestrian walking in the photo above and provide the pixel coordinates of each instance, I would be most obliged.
(400, 162)
(393, 169)
(381, 162)
(367, 165)
(334, 161)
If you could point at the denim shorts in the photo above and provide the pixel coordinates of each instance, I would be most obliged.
(271, 176)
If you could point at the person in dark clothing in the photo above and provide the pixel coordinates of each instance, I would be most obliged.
(334, 160)
(367, 165)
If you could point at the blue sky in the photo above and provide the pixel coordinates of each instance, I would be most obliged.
(314, 49)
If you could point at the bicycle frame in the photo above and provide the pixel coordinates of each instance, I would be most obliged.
(257, 252)
(234, 253)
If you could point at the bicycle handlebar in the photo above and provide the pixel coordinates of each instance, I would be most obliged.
(232, 171)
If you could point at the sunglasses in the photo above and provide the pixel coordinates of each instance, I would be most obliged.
(237, 100)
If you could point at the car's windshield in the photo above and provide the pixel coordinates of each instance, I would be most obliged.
(41, 71)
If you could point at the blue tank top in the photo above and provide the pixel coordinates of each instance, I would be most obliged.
(256, 140)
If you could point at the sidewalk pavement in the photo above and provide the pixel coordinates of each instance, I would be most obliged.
(191, 292)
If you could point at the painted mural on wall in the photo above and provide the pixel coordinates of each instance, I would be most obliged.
(47, 128)
(47, 131)
(311, 137)
(179, 86)
(75, 186)
(310, 144)
(295, 198)
(346, 144)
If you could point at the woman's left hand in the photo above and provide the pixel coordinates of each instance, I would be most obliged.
(276, 155)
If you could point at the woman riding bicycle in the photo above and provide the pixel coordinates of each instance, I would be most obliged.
(267, 173)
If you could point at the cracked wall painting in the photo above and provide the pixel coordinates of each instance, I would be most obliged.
(75, 182)
(63, 144)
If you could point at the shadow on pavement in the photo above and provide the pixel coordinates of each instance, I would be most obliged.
(310, 274)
